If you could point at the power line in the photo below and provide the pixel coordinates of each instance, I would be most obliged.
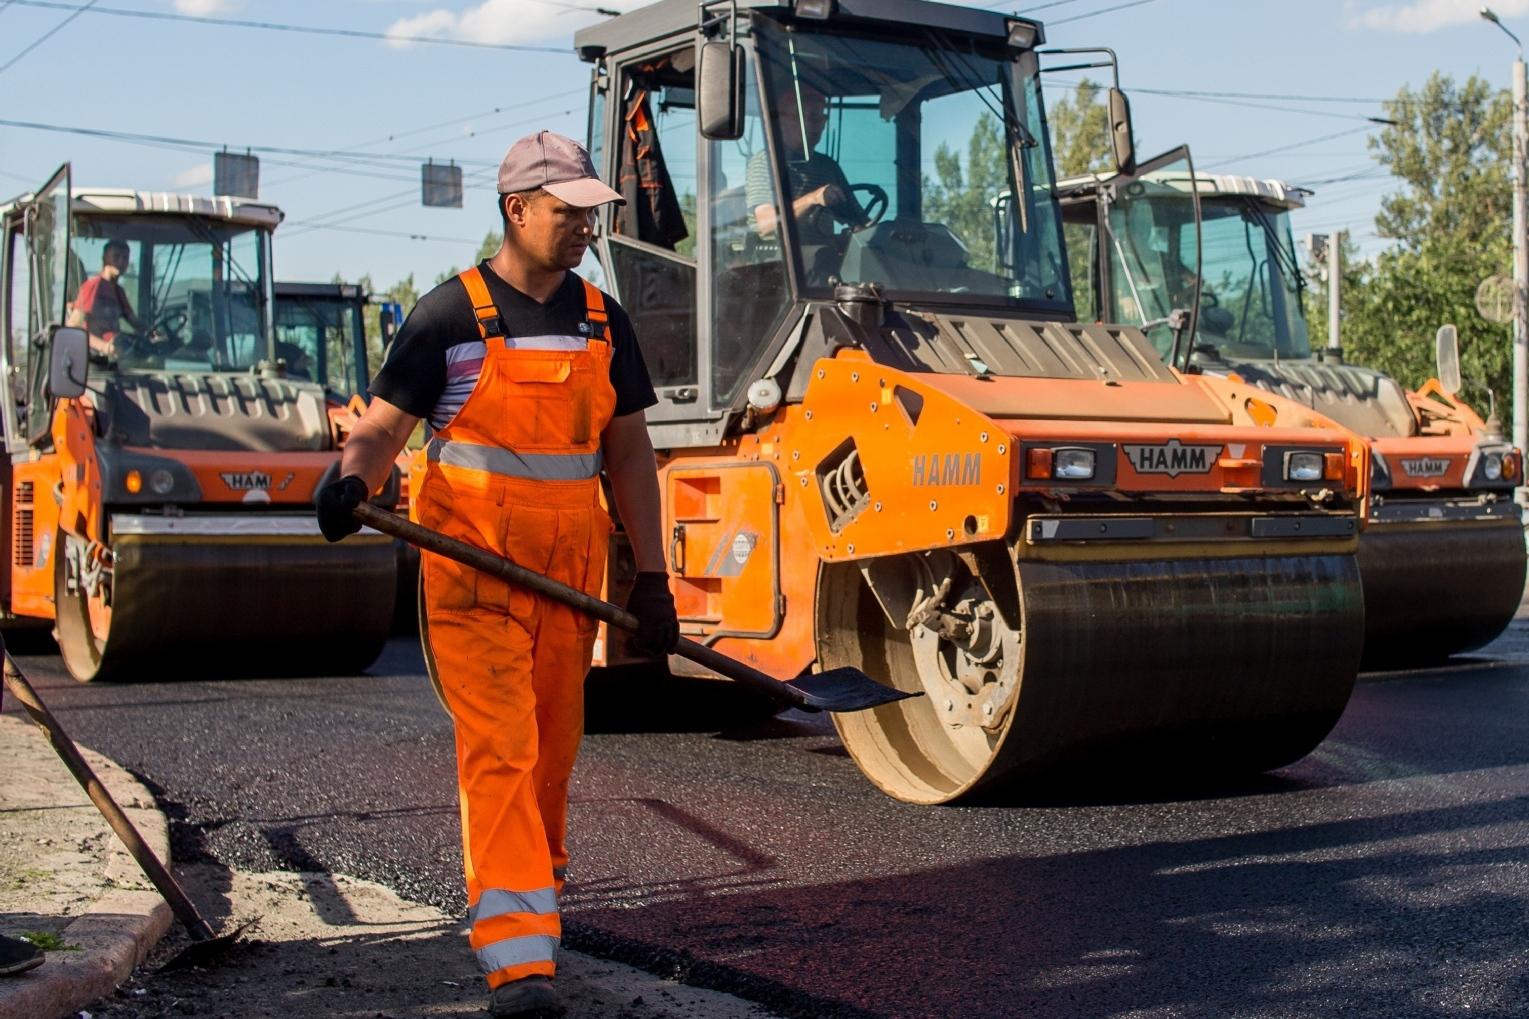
(1284, 148)
(390, 233)
(193, 143)
(273, 26)
(1102, 10)
(1280, 96)
(50, 33)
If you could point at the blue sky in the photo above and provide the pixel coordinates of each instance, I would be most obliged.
(402, 103)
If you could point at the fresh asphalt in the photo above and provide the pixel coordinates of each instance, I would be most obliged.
(1385, 875)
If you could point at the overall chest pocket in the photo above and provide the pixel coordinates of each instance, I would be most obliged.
(545, 398)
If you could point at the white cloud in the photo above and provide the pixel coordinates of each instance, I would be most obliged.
(1423, 16)
(196, 176)
(502, 22)
(206, 8)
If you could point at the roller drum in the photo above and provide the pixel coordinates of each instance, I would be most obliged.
(233, 607)
(1220, 665)
(1434, 590)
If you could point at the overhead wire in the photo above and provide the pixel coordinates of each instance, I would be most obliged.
(273, 26)
(50, 33)
(1102, 10)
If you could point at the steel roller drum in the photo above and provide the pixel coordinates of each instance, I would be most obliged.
(212, 607)
(1433, 590)
(1215, 665)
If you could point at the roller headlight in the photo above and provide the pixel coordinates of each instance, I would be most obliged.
(1303, 466)
(161, 481)
(1072, 464)
(1492, 466)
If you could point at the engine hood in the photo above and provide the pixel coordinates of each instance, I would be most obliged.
(175, 410)
(1361, 399)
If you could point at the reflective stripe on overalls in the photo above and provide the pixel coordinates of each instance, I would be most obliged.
(516, 471)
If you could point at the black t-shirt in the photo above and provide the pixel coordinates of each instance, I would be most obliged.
(436, 358)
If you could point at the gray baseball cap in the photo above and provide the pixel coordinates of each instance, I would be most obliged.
(559, 165)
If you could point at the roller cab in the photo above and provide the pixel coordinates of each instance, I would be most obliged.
(1443, 556)
(887, 441)
(161, 459)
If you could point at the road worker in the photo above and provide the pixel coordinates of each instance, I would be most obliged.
(529, 378)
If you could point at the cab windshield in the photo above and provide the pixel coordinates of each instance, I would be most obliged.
(1250, 304)
(321, 338)
(897, 164)
(176, 293)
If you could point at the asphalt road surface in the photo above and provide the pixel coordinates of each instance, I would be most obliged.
(1385, 875)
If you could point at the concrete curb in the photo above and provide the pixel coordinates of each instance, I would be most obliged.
(123, 924)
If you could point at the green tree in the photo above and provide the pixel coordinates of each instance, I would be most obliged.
(1080, 132)
(1080, 144)
(961, 196)
(1450, 222)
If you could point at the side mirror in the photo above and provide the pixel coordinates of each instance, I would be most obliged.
(70, 353)
(1122, 137)
(719, 91)
(1447, 351)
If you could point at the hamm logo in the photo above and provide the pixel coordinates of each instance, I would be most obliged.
(1425, 467)
(1172, 458)
(246, 481)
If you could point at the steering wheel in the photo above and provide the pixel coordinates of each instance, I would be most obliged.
(170, 323)
(847, 210)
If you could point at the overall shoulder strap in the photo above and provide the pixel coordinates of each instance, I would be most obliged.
(490, 323)
(594, 309)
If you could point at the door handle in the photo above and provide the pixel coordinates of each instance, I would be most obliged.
(677, 550)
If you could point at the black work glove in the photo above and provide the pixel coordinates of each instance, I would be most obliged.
(658, 628)
(841, 205)
(336, 503)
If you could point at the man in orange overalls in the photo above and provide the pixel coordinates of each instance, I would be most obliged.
(531, 380)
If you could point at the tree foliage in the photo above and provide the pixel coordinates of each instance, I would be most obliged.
(1450, 224)
(1080, 132)
(960, 194)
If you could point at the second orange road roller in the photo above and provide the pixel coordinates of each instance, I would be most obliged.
(887, 442)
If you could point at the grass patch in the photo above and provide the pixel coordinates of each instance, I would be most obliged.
(48, 942)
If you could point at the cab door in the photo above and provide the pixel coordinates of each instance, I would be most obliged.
(1149, 252)
(722, 525)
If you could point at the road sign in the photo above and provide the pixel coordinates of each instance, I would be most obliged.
(1494, 299)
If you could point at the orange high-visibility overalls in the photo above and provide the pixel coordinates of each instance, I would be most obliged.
(516, 472)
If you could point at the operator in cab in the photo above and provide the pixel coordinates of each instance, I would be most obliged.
(820, 193)
(101, 305)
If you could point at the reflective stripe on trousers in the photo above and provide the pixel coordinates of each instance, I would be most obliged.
(510, 464)
(496, 902)
(521, 951)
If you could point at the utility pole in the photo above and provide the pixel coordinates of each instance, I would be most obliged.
(1334, 285)
(1520, 246)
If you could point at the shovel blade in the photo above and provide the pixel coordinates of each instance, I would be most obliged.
(844, 689)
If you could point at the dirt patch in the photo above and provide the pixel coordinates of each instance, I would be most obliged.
(331, 946)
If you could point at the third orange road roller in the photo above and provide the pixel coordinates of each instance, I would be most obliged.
(1443, 557)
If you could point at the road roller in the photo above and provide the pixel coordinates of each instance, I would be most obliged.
(161, 457)
(887, 441)
(1443, 556)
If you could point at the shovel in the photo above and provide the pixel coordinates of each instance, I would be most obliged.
(207, 945)
(843, 689)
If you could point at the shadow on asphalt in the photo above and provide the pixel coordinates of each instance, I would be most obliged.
(1307, 920)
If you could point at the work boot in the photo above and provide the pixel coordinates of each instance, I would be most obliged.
(531, 997)
(17, 956)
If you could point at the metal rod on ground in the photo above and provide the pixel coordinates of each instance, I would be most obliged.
(185, 911)
(841, 689)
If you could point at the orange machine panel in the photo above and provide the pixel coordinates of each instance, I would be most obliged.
(34, 537)
(722, 522)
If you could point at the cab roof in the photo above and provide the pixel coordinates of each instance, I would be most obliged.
(1271, 191)
(125, 200)
(673, 17)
